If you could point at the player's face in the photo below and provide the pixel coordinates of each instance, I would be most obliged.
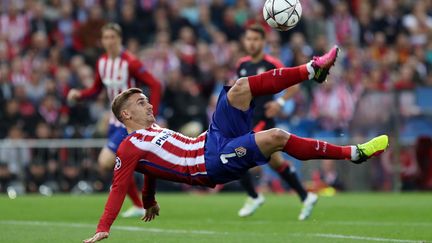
(110, 40)
(254, 43)
(140, 110)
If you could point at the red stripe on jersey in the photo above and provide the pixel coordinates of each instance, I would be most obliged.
(183, 152)
(192, 169)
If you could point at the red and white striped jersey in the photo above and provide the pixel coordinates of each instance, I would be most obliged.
(121, 73)
(166, 154)
(158, 153)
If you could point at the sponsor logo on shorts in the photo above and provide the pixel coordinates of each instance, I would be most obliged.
(117, 164)
(240, 151)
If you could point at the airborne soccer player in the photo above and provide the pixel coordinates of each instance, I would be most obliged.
(118, 70)
(266, 108)
(225, 151)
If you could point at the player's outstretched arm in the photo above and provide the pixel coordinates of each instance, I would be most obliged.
(97, 237)
(151, 213)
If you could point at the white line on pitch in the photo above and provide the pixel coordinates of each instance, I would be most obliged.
(362, 238)
(125, 228)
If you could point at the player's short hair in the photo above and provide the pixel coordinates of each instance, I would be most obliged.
(120, 101)
(114, 27)
(257, 28)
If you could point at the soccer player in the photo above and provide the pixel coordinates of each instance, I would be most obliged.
(225, 151)
(263, 118)
(118, 70)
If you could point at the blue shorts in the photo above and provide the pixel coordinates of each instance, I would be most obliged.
(116, 134)
(230, 149)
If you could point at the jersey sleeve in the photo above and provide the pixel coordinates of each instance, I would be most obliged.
(95, 89)
(123, 170)
(149, 191)
(140, 73)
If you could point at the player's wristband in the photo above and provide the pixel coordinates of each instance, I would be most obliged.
(281, 101)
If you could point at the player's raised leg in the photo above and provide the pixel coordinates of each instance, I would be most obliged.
(276, 80)
(273, 140)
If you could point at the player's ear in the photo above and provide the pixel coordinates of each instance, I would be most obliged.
(125, 115)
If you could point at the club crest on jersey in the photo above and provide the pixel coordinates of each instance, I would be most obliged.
(240, 151)
(161, 138)
(117, 163)
(243, 72)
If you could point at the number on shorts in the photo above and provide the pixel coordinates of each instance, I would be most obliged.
(224, 157)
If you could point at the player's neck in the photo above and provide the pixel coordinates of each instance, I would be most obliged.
(132, 126)
(114, 52)
(258, 57)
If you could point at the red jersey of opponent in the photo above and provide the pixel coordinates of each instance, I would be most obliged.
(158, 153)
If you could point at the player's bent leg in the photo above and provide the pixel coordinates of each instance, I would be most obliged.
(271, 141)
(239, 95)
(106, 158)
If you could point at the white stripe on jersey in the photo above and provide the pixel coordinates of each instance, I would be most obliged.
(173, 141)
(166, 155)
(114, 74)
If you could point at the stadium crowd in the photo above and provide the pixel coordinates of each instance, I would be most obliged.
(192, 46)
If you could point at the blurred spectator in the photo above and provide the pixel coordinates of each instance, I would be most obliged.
(161, 58)
(387, 19)
(333, 106)
(110, 11)
(89, 33)
(39, 22)
(342, 26)
(5, 87)
(418, 23)
(130, 25)
(229, 25)
(14, 26)
(35, 88)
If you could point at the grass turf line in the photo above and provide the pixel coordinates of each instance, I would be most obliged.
(357, 217)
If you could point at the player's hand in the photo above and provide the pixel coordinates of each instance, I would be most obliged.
(97, 237)
(272, 109)
(151, 213)
(73, 95)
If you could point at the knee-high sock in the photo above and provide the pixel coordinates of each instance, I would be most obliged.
(306, 149)
(276, 80)
(289, 175)
(133, 193)
(247, 183)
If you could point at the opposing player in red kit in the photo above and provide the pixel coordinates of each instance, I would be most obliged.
(225, 151)
(118, 70)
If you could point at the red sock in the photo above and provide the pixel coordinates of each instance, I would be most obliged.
(133, 193)
(306, 149)
(276, 80)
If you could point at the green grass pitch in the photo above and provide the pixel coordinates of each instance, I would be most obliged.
(360, 217)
